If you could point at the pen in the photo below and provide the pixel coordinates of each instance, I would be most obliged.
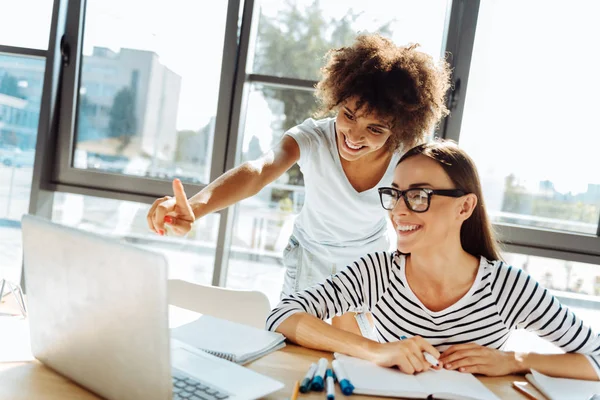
(295, 391)
(342, 378)
(305, 385)
(330, 385)
(318, 381)
(430, 359)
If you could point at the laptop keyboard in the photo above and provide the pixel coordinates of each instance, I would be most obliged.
(185, 387)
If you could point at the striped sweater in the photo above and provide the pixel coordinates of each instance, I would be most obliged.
(501, 300)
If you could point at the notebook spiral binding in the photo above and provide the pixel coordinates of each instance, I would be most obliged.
(226, 356)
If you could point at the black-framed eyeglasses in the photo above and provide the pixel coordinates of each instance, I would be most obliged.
(417, 199)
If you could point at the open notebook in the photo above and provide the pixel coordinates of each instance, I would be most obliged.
(562, 388)
(229, 340)
(371, 379)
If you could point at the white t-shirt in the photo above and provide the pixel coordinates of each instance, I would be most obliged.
(336, 222)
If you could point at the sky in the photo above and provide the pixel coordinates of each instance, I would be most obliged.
(530, 106)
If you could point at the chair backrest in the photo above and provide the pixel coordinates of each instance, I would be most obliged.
(247, 307)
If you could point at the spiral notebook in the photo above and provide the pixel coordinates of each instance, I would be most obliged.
(229, 340)
(371, 379)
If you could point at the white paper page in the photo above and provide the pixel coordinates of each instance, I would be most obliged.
(454, 382)
(562, 388)
(214, 334)
(369, 378)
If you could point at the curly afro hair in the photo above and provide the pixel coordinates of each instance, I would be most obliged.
(396, 82)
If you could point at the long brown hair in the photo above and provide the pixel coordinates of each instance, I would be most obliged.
(476, 234)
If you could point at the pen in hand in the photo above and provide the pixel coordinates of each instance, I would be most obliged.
(428, 357)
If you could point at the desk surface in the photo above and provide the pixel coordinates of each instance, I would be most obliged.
(32, 380)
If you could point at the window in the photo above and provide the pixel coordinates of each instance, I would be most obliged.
(532, 99)
(148, 96)
(293, 37)
(21, 27)
(190, 258)
(20, 92)
(575, 285)
(263, 223)
(181, 91)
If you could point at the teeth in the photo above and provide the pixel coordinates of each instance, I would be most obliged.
(351, 146)
(405, 228)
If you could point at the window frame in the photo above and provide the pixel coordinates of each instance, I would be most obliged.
(514, 238)
(66, 178)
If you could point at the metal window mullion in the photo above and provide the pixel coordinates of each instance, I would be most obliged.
(23, 51)
(282, 82)
(73, 44)
(460, 38)
(41, 201)
(109, 193)
(551, 253)
(228, 119)
(563, 245)
(74, 180)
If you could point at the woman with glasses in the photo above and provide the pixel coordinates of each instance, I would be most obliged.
(445, 291)
(385, 98)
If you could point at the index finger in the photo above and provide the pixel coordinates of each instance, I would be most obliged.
(179, 192)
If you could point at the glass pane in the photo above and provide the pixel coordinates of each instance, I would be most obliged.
(575, 285)
(21, 26)
(263, 223)
(21, 81)
(293, 36)
(529, 100)
(191, 258)
(148, 95)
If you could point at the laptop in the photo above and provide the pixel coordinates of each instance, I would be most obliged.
(98, 314)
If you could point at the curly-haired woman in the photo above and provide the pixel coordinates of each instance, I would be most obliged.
(386, 99)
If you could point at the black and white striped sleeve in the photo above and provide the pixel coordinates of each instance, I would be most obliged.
(524, 304)
(356, 288)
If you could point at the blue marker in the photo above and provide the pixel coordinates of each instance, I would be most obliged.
(330, 385)
(318, 382)
(305, 385)
(342, 378)
(430, 359)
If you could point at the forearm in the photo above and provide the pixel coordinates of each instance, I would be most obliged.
(309, 331)
(236, 184)
(569, 365)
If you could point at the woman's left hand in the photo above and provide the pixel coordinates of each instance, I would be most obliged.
(477, 359)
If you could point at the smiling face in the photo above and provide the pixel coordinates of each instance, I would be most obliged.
(441, 223)
(360, 134)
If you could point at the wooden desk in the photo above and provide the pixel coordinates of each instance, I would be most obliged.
(292, 362)
(32, 380)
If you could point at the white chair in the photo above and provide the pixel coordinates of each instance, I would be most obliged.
(247, 307)
(16, 291)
